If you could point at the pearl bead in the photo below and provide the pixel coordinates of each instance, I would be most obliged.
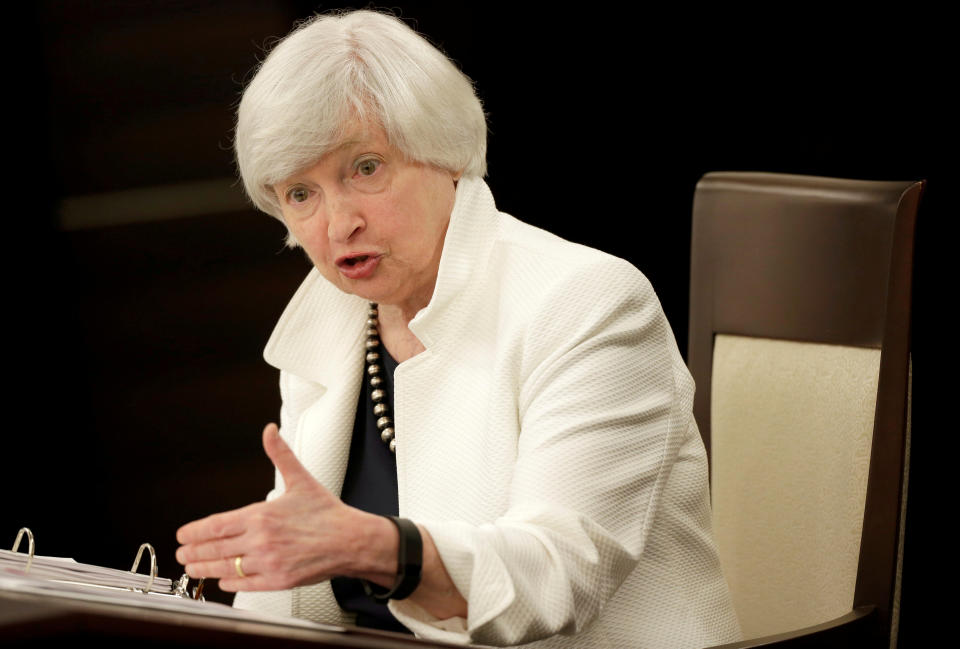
(379, 396)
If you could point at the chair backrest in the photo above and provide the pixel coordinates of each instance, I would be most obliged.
(799, 345)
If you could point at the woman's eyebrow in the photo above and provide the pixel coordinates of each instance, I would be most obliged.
(346, 144)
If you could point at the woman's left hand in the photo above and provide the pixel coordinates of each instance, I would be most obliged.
(305, 536)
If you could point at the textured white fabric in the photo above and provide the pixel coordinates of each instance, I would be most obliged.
(545, 439)
(791, 430)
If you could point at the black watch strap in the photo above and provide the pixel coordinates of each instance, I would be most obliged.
(409, 564)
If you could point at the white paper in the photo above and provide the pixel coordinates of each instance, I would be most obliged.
(61, 568)
(157, 601)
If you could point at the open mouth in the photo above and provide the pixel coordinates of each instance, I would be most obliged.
(353, 261)
(358, 266)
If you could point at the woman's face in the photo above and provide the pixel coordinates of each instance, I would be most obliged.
(372, 222)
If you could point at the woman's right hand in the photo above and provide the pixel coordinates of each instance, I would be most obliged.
(305, 536)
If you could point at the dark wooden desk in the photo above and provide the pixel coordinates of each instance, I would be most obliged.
(28, 620)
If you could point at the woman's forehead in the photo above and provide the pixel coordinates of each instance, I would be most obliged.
(357, 137)
(353, 137)
(358, 133)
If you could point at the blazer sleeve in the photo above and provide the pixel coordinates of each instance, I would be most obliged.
(604, 403)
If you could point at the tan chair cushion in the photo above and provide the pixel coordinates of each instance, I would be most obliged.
(792, 425)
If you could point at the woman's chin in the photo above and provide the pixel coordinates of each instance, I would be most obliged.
(368, 288)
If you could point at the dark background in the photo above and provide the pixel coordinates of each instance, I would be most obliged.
(136, 393)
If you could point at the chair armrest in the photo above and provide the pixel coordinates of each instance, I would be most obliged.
(860, 628)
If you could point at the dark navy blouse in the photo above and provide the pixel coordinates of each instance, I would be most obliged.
(370, 484)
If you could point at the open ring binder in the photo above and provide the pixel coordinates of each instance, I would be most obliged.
(35, 582)
(29, 578)
(68, 571)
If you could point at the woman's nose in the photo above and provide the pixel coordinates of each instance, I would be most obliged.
(344, 219)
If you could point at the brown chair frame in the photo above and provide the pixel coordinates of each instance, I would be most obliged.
(817, 260)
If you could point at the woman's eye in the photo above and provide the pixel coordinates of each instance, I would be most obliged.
(367, 167)
(298, 194)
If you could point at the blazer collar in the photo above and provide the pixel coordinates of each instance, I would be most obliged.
(322, 329)
(469, 239)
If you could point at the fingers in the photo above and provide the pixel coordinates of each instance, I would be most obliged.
(211, 551)
(230, 581)
(222, 568)
(283, 458)
(257, 575)
(216, 526)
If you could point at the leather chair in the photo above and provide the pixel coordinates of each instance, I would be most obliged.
(800, 347)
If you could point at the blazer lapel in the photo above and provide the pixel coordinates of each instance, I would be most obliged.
(319, 343)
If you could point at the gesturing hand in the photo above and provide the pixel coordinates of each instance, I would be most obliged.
(305, 536)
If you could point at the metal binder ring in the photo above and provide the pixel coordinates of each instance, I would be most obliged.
(16, 544)
(153, 564)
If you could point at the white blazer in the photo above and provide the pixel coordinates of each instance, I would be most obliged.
(544, 439)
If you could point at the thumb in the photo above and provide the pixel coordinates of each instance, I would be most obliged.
(283, 458)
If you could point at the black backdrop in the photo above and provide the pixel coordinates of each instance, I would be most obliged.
(135, 389)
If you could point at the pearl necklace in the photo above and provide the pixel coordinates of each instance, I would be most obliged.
(379, 395)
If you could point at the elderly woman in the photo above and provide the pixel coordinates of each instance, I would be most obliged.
(517, 399)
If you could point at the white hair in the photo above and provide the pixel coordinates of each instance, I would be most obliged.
(333, 69)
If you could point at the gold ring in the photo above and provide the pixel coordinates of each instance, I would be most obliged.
(238, 565)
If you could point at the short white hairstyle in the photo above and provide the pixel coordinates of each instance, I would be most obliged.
(336, 68)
